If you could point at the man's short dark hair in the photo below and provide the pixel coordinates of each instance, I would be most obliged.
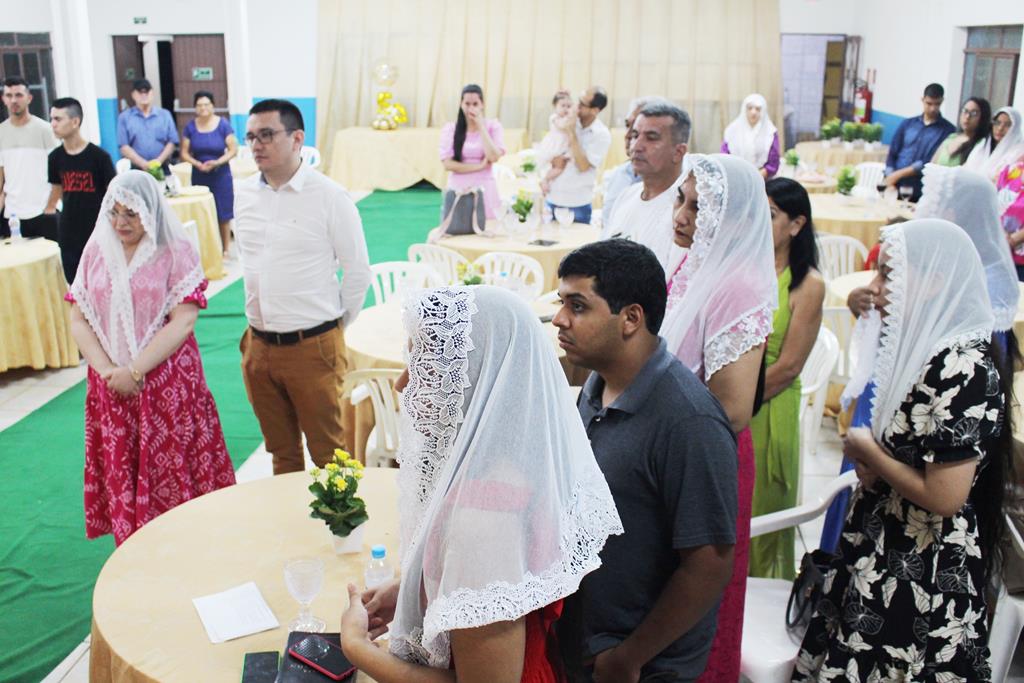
(290, 115)
(600, 98)
(680, 119)
(14, 81)
(203, 93)
(934, 91)
(72, 106)
(624, 273)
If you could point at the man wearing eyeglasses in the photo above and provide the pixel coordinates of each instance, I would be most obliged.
(146, 133)
(915, 142)
(294, 227)
(589, 140)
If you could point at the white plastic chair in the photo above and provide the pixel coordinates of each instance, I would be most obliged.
(840, 255)
(814, 388)
(840, 321)
(445, 261)
(1008, 621)
(311, 155)
(391, 277)
(123, 165)
(378, 385)
(869, 176)
(518, 272)
(769, 651)
(191, 229)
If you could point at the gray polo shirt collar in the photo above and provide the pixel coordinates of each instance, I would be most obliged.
(633, 399)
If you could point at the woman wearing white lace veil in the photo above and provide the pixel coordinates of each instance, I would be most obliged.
(1002, 147)
(753, 137)
(906, 598)
(153, 437)
(721, 303)
(969, 200)
(503, 509)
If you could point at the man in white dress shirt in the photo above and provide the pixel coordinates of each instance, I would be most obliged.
(643, 212)
(589, 140)
(294, 227)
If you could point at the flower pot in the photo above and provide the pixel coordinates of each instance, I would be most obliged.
(353, 543)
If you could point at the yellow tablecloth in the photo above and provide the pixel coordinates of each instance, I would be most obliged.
(827, 186)
(367, 159)
(239, 169)
(567, 239)
(145, 628)
(196, 204)
(35, 321)
(860, 218)
(814, 152)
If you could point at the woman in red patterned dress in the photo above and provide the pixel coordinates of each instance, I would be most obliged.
(152, 436)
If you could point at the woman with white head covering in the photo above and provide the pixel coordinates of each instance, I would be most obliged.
(153, 437)
(906, 598)
(721, 302)
(503, 509)
(1002, 147)
(752, 136)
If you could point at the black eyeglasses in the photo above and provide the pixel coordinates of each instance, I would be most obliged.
(971, 113)
(265, 136)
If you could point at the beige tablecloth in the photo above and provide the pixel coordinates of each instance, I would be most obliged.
(239, 169)
(566, 239)
(35, 321)
(826, 186)
(368, 159)
(145, 628)
(860, 218)
(815, 153)
(196, 204)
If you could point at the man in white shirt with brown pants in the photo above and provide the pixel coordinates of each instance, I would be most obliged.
(294, 227)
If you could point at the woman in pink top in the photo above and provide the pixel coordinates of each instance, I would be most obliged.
(469, 147)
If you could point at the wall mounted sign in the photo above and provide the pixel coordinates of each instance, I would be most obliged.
(202, 73)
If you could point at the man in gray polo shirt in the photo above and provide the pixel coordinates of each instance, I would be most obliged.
(669, 455)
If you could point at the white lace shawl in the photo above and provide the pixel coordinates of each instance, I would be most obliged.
(936, 298)
(502, 506)
(127, 303)
(969, 200)
(989, 162)
(722, 299)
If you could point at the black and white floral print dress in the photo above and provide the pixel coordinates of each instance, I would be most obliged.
(906, 601)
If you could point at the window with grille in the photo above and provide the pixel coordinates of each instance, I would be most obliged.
(991, 59)
(29, 55)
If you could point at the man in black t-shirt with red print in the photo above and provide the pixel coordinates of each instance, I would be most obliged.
(79, 173)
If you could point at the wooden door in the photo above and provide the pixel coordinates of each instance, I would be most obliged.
(128, 67)
(199, 64)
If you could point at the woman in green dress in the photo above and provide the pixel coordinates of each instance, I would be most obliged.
(975, 126)
(776, 427)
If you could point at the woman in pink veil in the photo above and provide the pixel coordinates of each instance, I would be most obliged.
(152, 435)
(720, 307)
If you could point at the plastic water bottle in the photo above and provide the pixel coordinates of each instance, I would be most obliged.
(15, 223)
(378, 571)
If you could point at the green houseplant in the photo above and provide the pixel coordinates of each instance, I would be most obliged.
(335, 501)
(792, 158)
(522, 206)
(846, 180)
(830, 129)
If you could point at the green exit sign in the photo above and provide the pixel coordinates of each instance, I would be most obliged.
(139, 20)
(202, 73)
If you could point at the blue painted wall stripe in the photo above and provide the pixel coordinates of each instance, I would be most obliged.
(306, 105)
(107, 110)
(890, 122)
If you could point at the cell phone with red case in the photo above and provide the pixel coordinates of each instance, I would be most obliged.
(324, 656)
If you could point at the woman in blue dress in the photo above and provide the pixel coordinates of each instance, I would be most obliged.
(208, 143)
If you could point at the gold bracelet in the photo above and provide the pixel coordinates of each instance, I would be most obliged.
(136, 375)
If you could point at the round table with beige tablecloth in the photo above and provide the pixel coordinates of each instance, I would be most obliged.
(144, 626)
(35, 321)
(815, 153)
(566, 239)
(860, 218)
(196, 204)
(819, 186)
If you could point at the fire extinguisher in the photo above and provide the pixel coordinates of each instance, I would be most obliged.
(862, 99)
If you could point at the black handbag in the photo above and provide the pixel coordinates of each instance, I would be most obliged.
(463, 213)
(808, 588)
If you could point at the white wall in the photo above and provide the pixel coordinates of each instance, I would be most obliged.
(283, 47)
(818, 16)
(28, 16)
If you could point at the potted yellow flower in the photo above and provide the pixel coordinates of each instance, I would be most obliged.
(334, 490)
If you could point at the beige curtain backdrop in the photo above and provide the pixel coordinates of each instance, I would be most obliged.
(705, 55)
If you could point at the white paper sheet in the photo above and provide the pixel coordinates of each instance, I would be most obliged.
(236, 612)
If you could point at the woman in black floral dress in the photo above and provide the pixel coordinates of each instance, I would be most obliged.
(906, 599)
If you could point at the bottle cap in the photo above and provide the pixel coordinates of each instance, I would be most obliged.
(378, 552)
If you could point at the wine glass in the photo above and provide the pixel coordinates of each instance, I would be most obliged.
(565, 216)
(304, 578)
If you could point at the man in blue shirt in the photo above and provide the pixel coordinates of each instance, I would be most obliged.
(915, 142)
(146, 133)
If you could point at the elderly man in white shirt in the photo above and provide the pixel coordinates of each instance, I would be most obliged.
(294, 226)
(589, 141)
(643, 212)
